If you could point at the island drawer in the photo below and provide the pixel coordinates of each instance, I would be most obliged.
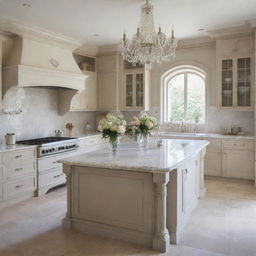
(19, 186)
(18, 169)
(55, 176)
(238, 144)
(13, 158)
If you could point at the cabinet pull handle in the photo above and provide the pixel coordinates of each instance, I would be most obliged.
(55, 162)
(18, 169)
(57, 176)
(18, 156)
(19, 186)
(186, 174)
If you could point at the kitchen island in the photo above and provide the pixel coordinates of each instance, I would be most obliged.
(138, 195)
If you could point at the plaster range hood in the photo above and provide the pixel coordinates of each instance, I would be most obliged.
(32, 62)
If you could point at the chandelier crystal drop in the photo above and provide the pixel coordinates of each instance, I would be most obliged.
(148, 46)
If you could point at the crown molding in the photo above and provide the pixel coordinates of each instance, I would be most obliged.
(237, 31)
(87, 50)
(13, 26)
(196, 42)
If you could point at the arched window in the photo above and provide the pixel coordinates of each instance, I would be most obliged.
(184, 95)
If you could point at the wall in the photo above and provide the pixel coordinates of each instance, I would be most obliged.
(40, 116)
(205, 58)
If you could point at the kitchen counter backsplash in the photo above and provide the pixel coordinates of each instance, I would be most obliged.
(40, 117)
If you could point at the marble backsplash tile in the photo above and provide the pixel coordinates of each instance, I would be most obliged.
(40, 117)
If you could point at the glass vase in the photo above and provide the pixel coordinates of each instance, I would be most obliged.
(113, 144)
(143, 140)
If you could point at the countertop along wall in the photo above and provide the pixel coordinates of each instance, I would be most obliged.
(205, 58)
(40, 117)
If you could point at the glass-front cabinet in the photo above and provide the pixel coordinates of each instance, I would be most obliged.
(236, 83)
(134, 89)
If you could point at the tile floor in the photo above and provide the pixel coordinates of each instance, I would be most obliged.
(223, 224)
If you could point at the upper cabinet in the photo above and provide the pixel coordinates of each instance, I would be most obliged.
(135, 88)
(235, 73)
(108, 81)
(86, 99)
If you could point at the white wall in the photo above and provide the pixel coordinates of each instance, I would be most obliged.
(40, 116)
(205, 58)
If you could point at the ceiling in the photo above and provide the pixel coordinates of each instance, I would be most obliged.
(102, 22)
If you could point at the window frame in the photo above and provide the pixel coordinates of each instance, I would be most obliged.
(168, 75)
(168, 112)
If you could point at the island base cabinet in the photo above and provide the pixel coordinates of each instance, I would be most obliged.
(238, 164)
(213, 162)
(112, 203)
(183, 194)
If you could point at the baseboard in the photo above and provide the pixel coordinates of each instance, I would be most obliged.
(140, 238)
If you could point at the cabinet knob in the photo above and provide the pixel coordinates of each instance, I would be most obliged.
(18, 156)
(19, 186)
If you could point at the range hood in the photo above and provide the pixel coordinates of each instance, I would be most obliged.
(37, 62)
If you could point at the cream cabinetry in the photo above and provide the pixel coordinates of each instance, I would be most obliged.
(19, 175)
(1, 104)
(235, 73)
(184, 180)
(238, 164)
(108, 82)
(213, 162)
(135, 89)
(86, 99)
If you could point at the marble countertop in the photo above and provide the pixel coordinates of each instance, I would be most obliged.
(130, 157)
(6, 148)
(205, 135)
(87, 134)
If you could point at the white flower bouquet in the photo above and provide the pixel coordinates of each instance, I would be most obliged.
(141, 126)
(112, 127)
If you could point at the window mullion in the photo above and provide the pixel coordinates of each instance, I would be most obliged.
(185, 95)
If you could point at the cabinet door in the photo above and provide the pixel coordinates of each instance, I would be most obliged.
(91, 93)
(213, 163)
(139, 83)
(227, 82)
(244, 82)
(129, 90)
(238, 164)
(107, 91)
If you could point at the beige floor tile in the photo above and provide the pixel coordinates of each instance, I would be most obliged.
(224, 224)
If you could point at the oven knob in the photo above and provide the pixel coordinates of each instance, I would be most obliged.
(43, 151)
(53, 149)
(46, 151)
(50, 150)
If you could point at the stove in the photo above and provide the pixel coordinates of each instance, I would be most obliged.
(52, 145)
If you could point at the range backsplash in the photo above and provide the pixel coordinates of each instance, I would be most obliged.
(40, 117)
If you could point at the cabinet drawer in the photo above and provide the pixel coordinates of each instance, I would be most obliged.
(214, 143)
(17, 187)
(55, 176)
(238, 144)
(49, 163)
(22, 168)
(14, 157)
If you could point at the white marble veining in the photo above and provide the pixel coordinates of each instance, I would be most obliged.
(205, 135)
(131, 157)
(40, 117)
(6, 148)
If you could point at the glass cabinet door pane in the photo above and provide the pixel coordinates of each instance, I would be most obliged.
(139, 90)
(227, 82)
(244, 82)
(129, 92)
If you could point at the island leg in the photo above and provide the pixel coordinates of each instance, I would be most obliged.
(161, 240)
(202, 185)
(66, 222)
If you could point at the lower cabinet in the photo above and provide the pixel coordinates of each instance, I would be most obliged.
(238, 164)
(213, 162)
(183, 194)
(18, 173)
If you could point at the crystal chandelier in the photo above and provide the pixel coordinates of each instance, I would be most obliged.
(148, 46)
